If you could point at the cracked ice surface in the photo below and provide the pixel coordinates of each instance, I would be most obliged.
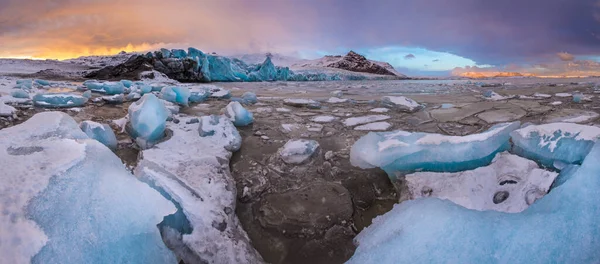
(561, 227)
(68, 199)
(198, 179)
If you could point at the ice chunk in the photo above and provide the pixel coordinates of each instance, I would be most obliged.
(199, 94)
(148, 117)
(114, 99)
(541, 95)
(176, 94)
(6, 110)
(282, 110)
(353, 121)
(24, 84)
(298, 151)
(561, 227)
(178, 53)
(249, 98)
(401, 103)
(111, 88)
(299, 102)
(193, 52)
(509, 184)
(19, 93)
(165, 53)
(447, 106)
(337, 93)
(377, 126)
(87, 94)
(95, 86)
(68, 199)
(323, 119)
(401, 151)
(577, 97)
(238, 114)
(566, 173)
(336, 100)
(380, 110)
(59, 100)
(218, 92)
(101, 132)
(127, 83)
(144, 88)
(221, 130)
(563, 95)
(563, 142)
(133, 96)
(556, 103)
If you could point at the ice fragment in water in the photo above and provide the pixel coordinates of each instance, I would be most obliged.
(176, 94)
(59, 100)
(19, 93)
(298, 151)
(401, 151)
(199, 94)
(249, 98)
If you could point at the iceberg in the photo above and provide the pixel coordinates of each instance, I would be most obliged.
(127, 83)
(148, 117)
(548, 144)
(41, 82)
(111, 88)
(264, 72)
(298, 151)
(178, 53)
(101, 132)
(509, 184)
(68, 199)
(238, 114)
(24, 84)
(87, 94)
(561, 227)
(405, 152)
(249, 98)
(59, 100)
(221, 130)
(94, 86)
(176, 94)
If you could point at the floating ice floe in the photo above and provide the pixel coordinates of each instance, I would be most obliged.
(556, 103)
(561, 227)
(299, 102)
(563, 143)
(401, 103)
(198, 181)
(6, 110)
(563, 95)
(57, 100)
(353, 121)
(147, 118)
(336, 100)
(298, 151)
(323, 119)
(379, 110)
(176, 94)
(101, 132)
(69, 199)
(283, 110)
(19, 93)
(238, 114)
(377, 126)
(509, 184)
(542, 95)
(220, 93)
(404, 152)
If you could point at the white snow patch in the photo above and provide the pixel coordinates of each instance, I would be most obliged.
(335, 100)
(353, 121)
(377, 126)
(379, 110)
(436, 139)
(323, 119)
(556, 103)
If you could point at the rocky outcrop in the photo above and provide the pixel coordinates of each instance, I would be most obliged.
(183, 70)
(358, 63)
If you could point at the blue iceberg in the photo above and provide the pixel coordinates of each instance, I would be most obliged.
(19, 93)
(178, 53)
(199, 94)
(561, 227)
(42, 82)
(148, 118)
(56, 100)
(549, 144)
(404, 152)
(144, 89)
(127, 83)
(221, 130)
(24, 84)
(176, 94)
(111, 88)
(101, 132)
(238, 114)
(195, 53)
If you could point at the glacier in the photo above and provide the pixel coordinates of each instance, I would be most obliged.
(238, 114)
(553, 143)
(101, 132)
(405, 152)
(68, 199)
(561, 227)
(147, 118)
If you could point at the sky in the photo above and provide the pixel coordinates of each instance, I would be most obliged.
(420, 37)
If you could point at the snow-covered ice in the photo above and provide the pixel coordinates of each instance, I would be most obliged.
(238, 114)
(298, 151)
(6, 110)
(380, 110)
(221, 130)
(561, 227)
(57, 100)
(542, 95)
(298, 102)
(376, 126)
(401, 151)
(563, 95)
(336, 100)
(401, 103)
(509, 184)
(323, 119)
(556, 142)
(176, 94)
(353, 121)
(68, 199)
(556, 103)
(101, 132)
